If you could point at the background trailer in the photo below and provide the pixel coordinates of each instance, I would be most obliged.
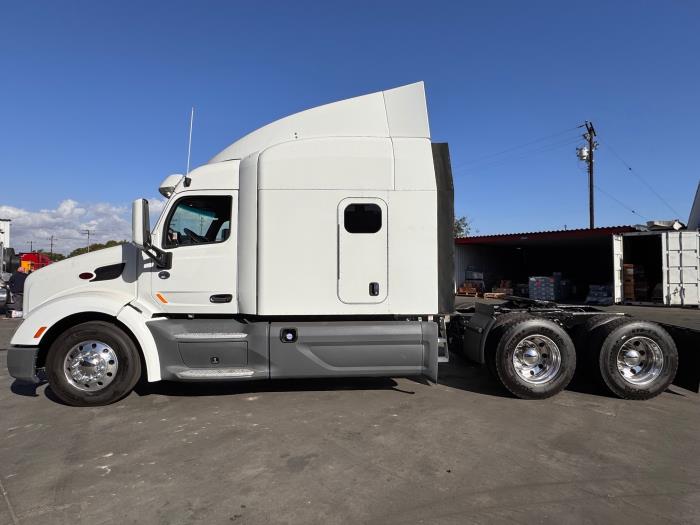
(657, 267)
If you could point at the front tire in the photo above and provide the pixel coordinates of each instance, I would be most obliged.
(535, 358)
(92, 364)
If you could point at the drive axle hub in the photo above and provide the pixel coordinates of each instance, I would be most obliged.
(537, 359)
(640, 360)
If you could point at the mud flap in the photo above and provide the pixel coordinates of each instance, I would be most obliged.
(688, 375)
(430, 350)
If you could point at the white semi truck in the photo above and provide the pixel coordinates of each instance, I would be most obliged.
(317, 246)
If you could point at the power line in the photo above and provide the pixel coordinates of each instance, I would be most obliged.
(629, 168)
(610, 196)
(508, 150)
(543, 149)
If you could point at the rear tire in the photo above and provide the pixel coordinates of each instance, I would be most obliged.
(535, 358)
(502, 324)
(637, 359)
(587, 353)
(92, 364)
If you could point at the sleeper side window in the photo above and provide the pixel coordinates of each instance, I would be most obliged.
(362, 218)
(198, 220)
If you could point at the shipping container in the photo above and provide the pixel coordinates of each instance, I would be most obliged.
(668, 261)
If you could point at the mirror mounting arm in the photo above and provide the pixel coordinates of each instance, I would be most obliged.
(141, 235)
(162, 259)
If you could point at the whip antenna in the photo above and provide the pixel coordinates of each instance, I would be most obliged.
(189, 148)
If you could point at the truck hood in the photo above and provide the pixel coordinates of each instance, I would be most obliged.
(108, 270)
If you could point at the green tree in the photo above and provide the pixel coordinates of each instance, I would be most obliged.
(94, 247)
(463, 226)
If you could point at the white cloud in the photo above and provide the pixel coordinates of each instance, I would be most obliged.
(68, 220)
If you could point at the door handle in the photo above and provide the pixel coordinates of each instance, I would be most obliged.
(221, 298)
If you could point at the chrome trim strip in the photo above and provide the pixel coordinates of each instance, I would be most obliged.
(212, 335)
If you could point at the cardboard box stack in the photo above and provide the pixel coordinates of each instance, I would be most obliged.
(553, 288)
(505, 287)
(599, 294)
(473, 283)
(544, 288)
(634, 282)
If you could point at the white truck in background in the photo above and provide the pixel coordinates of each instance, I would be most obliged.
(317, 246)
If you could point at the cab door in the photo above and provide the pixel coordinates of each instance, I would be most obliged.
(362, 250)
(200, 231)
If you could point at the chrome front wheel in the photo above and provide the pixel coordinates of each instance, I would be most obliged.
(93, 363)
(90, 365)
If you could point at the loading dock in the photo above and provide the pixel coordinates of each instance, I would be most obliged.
(583, 256)
(662, 266)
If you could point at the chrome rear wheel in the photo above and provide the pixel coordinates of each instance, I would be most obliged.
(537, 359)
(640, 361)
(534, 358)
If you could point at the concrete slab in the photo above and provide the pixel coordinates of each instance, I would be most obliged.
(369, 451)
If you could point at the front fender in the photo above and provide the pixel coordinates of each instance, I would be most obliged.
(37, 324)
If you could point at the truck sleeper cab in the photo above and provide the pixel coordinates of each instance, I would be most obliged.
(320, 245)
(308, 248)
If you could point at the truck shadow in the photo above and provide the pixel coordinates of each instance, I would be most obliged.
(22, 388)
(171, 388)
(459, 373)
(465, 375)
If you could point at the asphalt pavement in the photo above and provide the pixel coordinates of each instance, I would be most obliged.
(354, 451)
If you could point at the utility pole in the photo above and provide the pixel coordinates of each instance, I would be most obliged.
(51, 247)
(2, 252)
(585, 154)
(4, 241)
(31, 246)
(88, 232)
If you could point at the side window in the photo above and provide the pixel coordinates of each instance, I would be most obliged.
(363, 218)
(198, 220)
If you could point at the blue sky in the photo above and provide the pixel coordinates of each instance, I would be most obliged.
(96, 98)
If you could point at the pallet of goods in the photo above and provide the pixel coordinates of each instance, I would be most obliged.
(469, 291)
(546, 288)
(473, 285)
(600, 294)
(634, 282)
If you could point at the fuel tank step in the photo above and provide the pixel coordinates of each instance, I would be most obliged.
(214, 373)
